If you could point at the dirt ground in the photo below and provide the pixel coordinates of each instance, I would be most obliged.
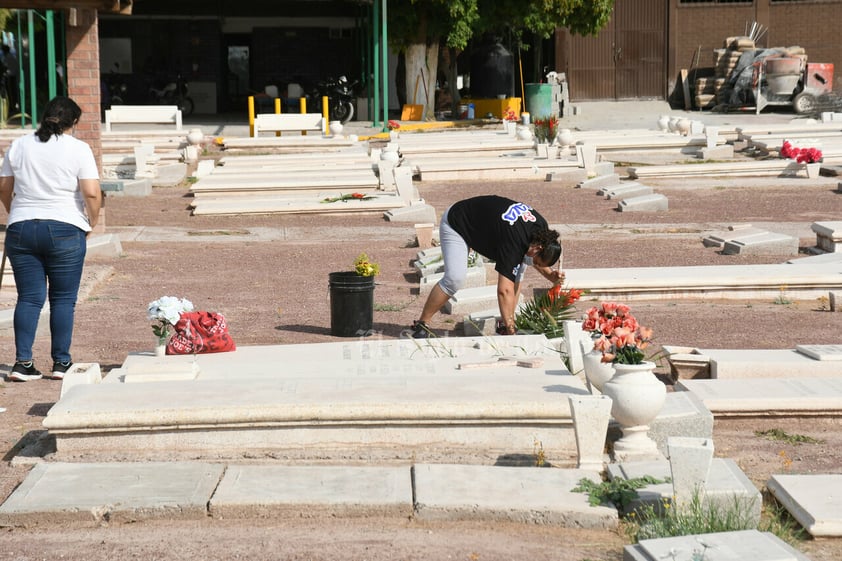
(275, 292)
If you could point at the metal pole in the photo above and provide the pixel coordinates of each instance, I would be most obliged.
(375, 21)
(30, 22)
(20, 85)
(51, 56)
(384, 45)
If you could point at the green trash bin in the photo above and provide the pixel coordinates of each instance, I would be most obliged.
(539, 100)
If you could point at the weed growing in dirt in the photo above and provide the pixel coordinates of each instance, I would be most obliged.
(782, 298)
(619, 491)
(538, 450)
(776, 519)
(697, 516)
(782, 436)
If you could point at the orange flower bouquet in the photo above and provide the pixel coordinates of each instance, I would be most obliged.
(618, 335)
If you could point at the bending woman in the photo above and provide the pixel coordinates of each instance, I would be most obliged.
(508, 232)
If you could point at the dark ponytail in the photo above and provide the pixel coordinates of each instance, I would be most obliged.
(60, 114)
(551, 248)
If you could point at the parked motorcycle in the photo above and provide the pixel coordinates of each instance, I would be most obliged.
(174, 93)
(340, 95)
(113, 89)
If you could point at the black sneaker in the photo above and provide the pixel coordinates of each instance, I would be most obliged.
(59, 370)
(420, 330)
(24, 372)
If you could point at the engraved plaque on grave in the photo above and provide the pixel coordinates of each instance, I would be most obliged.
(821, 352)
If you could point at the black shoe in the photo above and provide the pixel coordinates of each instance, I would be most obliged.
(420, 330)
(24, 372)
(59, 370)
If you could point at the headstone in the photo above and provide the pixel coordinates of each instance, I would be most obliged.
(644, 203)
(603, 168)
(835, 301)
(690, 460)
(572, 346)
(828, 236)
(590, 422)
(104, 245)
(586, 155)
(80, 373)
(712, 136)
(413, 213)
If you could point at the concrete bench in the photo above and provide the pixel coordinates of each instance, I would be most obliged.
(143, 114)
(287, 122)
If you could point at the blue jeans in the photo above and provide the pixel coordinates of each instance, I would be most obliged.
(42, 253)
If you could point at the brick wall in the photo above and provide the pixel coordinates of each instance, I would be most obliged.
(809, 24)
(82, 39)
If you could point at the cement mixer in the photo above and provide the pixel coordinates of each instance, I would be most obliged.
(791, 80)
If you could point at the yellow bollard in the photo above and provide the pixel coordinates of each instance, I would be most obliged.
(303, 104)
(325, 110)
(278, 112)
(251, 115)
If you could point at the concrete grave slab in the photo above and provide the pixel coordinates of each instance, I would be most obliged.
(575, 175)
(624, 192)
(644, 203)
(814, 500)
(271, 490)
(475, 278)
(544, 496)
(414, 213)
(725, 484)
(767, 395)
(470, 300)
(332, 399)
(770, 243)
(104, 245)
(821, 352)
(204, 168)
(722, 152)
(139, 187)
(767, 363)
(737, 231)
(169, 175)
(603, 168)
(600, 181)
(55, 492)
(746, 545)
(683, 414)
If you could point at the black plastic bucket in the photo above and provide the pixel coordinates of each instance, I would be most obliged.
(351, 304)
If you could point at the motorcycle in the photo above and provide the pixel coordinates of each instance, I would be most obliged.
(113, 89)
(340, 95)
(174, 93)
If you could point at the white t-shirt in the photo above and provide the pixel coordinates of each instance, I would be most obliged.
(47, 178)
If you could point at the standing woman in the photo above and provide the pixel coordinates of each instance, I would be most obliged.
(49, 185)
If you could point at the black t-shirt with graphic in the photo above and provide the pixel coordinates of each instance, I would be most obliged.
(497, 228)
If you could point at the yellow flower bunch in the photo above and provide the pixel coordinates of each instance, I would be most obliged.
(365, 267)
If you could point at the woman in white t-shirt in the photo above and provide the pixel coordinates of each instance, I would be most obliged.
(49, 185)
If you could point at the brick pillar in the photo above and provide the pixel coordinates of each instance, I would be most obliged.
(82, 37)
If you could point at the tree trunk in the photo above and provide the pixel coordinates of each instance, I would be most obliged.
(422, 62)
(452, 73)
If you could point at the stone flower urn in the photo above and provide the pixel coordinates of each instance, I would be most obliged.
(195, 136)
(664, 123)
(335, 128)
(637, 398)
(596, 371)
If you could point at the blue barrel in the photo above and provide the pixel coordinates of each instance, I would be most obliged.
(539, 100)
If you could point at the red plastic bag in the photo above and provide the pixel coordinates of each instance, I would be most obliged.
(200, 332)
